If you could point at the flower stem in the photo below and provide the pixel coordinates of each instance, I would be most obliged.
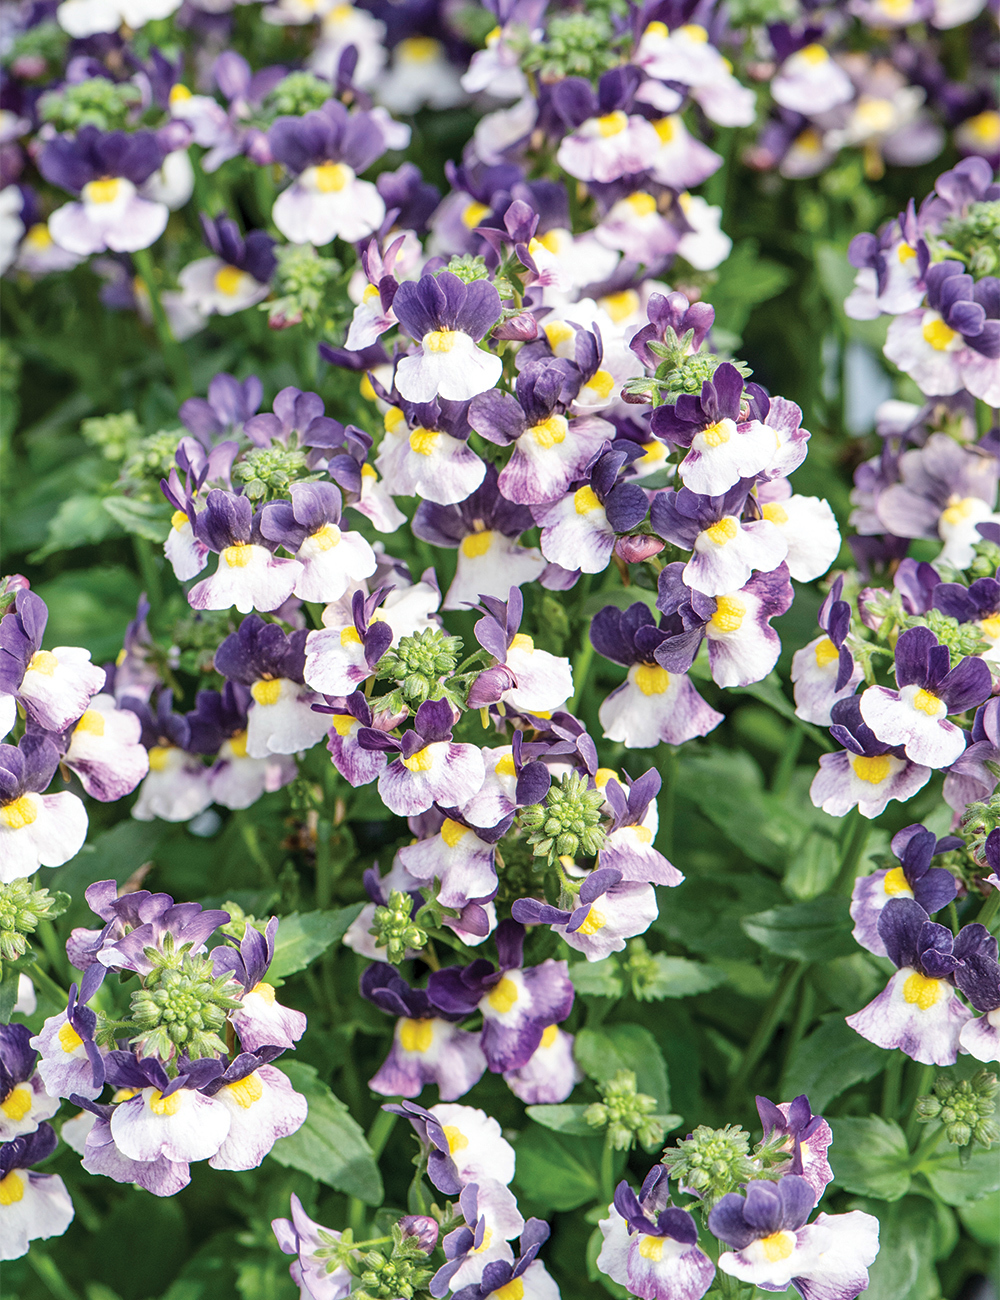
(892, 1085)
(765, 1031)
(173, 353)
(989, 909)
(852, 853)
(607, 1170)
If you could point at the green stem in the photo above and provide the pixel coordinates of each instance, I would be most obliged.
(381, 1127)
(803, 1018)
(953, 917)
(892, 1085)
(173, 353)
(852, 853)
(581, 669)
(47, 985)
(251, 839)
(926, 1148)
(147, 568)
(324, 876)
(925, 1081)
(765, 1031)
(356, 1216)
(50, 1276)
(786, 763)
(607, 1170)
(989, 909)
(668, 799)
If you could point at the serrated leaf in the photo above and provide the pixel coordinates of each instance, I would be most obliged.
(679, 977)
(817, 930)
(870, 1156)
(143, 518)
(562, 1119)
(958, 1183)
(601, 1053)
(80, 521)
(832, 1059)
(330, 1145)
(597, 979)
(302, 937)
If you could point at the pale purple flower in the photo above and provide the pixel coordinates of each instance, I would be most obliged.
(36, 829)
(261, 1021)
(651, 1247)
(605, 141)
(425, 451)
(866, 773)
(302, 1237)
(176, 787)
(249, 574)
(55, 687)
(35, 1206)
(824, 671)
(609, 910)
(932, 887)
(105, 750)
(24, 1100)
(523, 677)
(447, 318)
(430, 767)
(808, 1139)
(236, 276)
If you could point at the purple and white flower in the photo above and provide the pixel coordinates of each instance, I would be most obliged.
(263, 1107)
(218, 726)
(808, 80)
(628, 845)
(579, 530)
(70, 1062)
(325, 150)
(932, 887)
(36, 829)
(425, 451)
(33, 1207)
(24, 1101)
(524, 678)
(249, 574)
(344, 653)
(604, 140)
(447, 318)
(824, 671)
(236, 276)
(807, 524)
(464, 1145)
(427, 1045)
(261, 1021)
(827, 1259)
(309, 528)
(525, 1277)
(176, 787)
(456, 857)
(105, 750)
(915, 715)
(491, 1219)
(808, 1138)
(918, 1010)
(684, 56)
(54, 687)
(867, 772)
(609, 910)
(550, 1073)
(431, 767)
(105, 170)
(302, 1237)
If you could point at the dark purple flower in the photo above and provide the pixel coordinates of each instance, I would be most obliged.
(228, 407)
(253, 253)
(71, 162)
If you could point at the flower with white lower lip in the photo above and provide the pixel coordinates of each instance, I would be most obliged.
(866, 773)
(686, 57)
(325, 150)
(421, 74)
(32, 1206)
(430, 766)
(236, 276)
(105, 170)
(824, 671)
(249, 574)
(604, 142)
(105, 750)
(54, 687)
(652, 1248)
(310, 528)
(447, 318)
(83, 18)
(932, 887)
(36, 829)
(425, 451)
(522, 677)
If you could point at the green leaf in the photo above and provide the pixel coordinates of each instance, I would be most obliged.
(817, 930)
(982, 1219)
(144, 518)
(559, 1172)
(79, 521)
(620, 597)
(870, 1156)
(832, 1059)
(330, 1145)
(956, 1183)
(302, 937)
(769, 692)
(908, 1245)
(9, 978)
(562, 1119)
(679, 977)
(814, 867)
(745, 278)
(601, 1053)
(597, 979)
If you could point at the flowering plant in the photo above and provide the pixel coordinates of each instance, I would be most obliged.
(527, 730)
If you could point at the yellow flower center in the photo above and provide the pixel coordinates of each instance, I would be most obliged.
(123, 1094)
(423, 441)
(651, 679)
(228, 280)
(521, 641)
(342, 723)
(602, 382)
(440, 340)
(585, 500)
(620, 306)
(593, 922)
(826, 652)
(938, 335)
(652, 1248)
(612, 123)
(38, 237)
(91, 724)
(874, 770)
(695, 33)
(237, 556)
(103, 191)
(366, 390)
(178, 519)
(778, 1246)
(875, 114)
(331, 178)
(984, 127)
(161, 1105)
(991, 627)
(69, 1040)
(349, 636)
(22, 812)
(267, 690)
(603, 775)
(393, 419)
(474, 213)
(959, 510)
(813, 54)
(416, 1035)
(44, 662)
(722, 533)
(729, 614)
(158, 757)
(11, 1188)
(549, 241)
(325, 538)
(549, 1035)
(551, 431)
(457, 1141)
(926, 702)
(17, 1102)
(370, 294)
(475, 546)
(505, 767)
(921, 992)
(246, 1091)
(716, 435)
(905, 253)
(641, 203)
(513, 1290)
(774, 512)
(420, 761)
(452, 832)
(642, 833)
(419, 49)
(503, 997)
(664, 128)
(895, 882)
(238, 745)
(557, 331)
(265, 991)
(657, 29)
(179, 93)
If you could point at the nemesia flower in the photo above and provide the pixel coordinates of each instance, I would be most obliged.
(236, 276)
(890, 270)
(969, 779)
(263, 1106)
(55, 687)
(978, 603)
(36, 829)
(517, 1005)
(918, 1011)
(610, 910)
(932, 887)
(447, 318)
(807, 524)
(523, 676)
(105, 170)
(421, 74)
(915, 715)
(456, 857)
(484, 528)
(331, 557)
(464, 1145)
(249, 574)
(652, 704)
(979, 980)
(686, 57)
(491, 1219)
(824, 671)
(550, 1073)
(105, 750)
(809, 1137)
(83, 18)
(24, 1102)
(652, 1248)
(867, 772)
(628, 845)
(261, 1021)
(70, 1062)
(341, 26)
(808, 81)
(775, 1246)
(325, 150)
(427, 1046)
(604, 142)
(578, 531)
(218, 726)
(302, 1237)
(344, 653)
(33, 1206)
(431, 767)
(526, 1276)
(280, 717)
(425, 451)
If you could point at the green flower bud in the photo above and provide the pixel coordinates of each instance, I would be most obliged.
(21, 908)
(394, 929)
(626, 1113)
(711, 1162)
(181, 1009)
(568, 823)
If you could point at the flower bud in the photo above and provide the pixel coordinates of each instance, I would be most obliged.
(422, 1228)
(519, 329)
(635, 549)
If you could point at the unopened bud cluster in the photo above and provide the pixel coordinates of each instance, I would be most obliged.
(401, 1274)
(21, 908)
(180, 1010)
(567, 825)
(419, 662)
(625, 1113)
(394, 928)
(965, 1107)
(711, 1162)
